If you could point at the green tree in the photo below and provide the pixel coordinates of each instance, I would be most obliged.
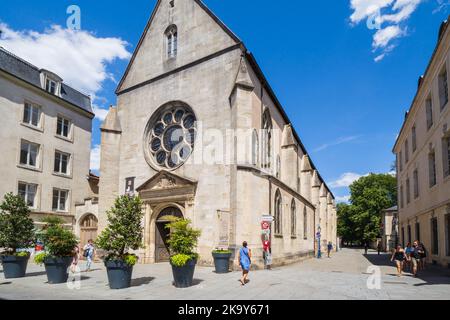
(345, 224)
(16, 226)
(361, 220)
(124, 231)
(182, 241)
(58, 241)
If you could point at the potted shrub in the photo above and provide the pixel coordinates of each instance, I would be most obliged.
(16, 232)
(123, 233)
(222, 260)
(183, 258)
(59, 244)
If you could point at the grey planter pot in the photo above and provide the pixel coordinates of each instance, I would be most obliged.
(222, 262)
(57, 269)
(14, 267)
(183, 276)
(119, 274)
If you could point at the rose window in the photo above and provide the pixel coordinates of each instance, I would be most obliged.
(171, 136)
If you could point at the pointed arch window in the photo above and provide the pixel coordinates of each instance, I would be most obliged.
(172, 41)
(255, 148)
(267, 139)
(278, 213)
(293, 219)
(305, 224)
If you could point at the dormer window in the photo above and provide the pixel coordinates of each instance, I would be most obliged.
(50, 86)
(51, 82)
(172, 41)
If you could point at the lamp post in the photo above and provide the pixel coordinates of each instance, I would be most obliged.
(319, 252)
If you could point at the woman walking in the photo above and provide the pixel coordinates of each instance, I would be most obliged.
(245, 256)
(76, 257)
(399, 257)
(408, 251)
(89, 250)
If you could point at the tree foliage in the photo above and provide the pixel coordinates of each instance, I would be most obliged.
(124, 231)
(361, 220)
(16, 227)
(182, 241)
(58, 241)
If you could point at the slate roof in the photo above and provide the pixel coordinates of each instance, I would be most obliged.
(29, 73)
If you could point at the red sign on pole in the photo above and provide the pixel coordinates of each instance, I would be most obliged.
(265, 225)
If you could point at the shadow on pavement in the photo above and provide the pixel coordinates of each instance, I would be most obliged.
(3, 283)
(195, 282)
(141, 281)
(36, 274)
(432, 275)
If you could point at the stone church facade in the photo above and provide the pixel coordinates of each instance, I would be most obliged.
(199, 133)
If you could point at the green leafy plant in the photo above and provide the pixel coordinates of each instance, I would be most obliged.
(222, 251)
(40, 258)
(58, 241)
(124, 231)
(182, 241)
(17, 229)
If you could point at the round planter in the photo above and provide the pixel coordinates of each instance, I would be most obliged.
(119, 274)
(14, 267)
(184, 276)
(222, 262)
(57, 269)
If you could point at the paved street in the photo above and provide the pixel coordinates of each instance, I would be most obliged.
(344, 276)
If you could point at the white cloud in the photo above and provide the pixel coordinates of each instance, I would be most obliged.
(363, 9)
(79, 57)
(345, 180)
(95, 158)
(383, 37)
(337, 142)
(389, 18)
(100, 113)
(343, 199)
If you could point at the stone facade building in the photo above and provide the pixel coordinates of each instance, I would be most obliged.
(45, 132)
(199, 133)
(423, 159)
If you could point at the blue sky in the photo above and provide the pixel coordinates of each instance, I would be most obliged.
(319, 57)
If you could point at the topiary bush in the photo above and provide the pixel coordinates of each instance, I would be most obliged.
(124, 231)
(182, 241)
(17, 229)
(58, 241)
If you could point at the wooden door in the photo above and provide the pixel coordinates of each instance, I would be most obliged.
(88, 231)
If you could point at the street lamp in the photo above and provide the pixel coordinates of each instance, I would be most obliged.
(319, 252)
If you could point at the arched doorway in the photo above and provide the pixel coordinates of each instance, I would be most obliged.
(88, 229)
(162, 233)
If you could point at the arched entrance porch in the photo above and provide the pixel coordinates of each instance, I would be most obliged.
(162, 233)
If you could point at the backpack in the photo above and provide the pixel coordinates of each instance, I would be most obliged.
(86, 253)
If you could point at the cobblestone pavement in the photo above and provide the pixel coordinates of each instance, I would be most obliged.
(342, 277)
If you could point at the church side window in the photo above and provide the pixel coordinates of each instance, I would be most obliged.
(278, 213)
(267, 139)
(172, 41)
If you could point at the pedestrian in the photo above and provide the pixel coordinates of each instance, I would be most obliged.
(408, 252)
(89, 251)
(366, 248)
(329, 249)
(379, 247)
(245, 260)
(399, 257)
(423, 256)
(415, 257)
(76, 257)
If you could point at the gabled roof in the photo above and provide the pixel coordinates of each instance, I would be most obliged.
(147, 27)
(25, 71)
